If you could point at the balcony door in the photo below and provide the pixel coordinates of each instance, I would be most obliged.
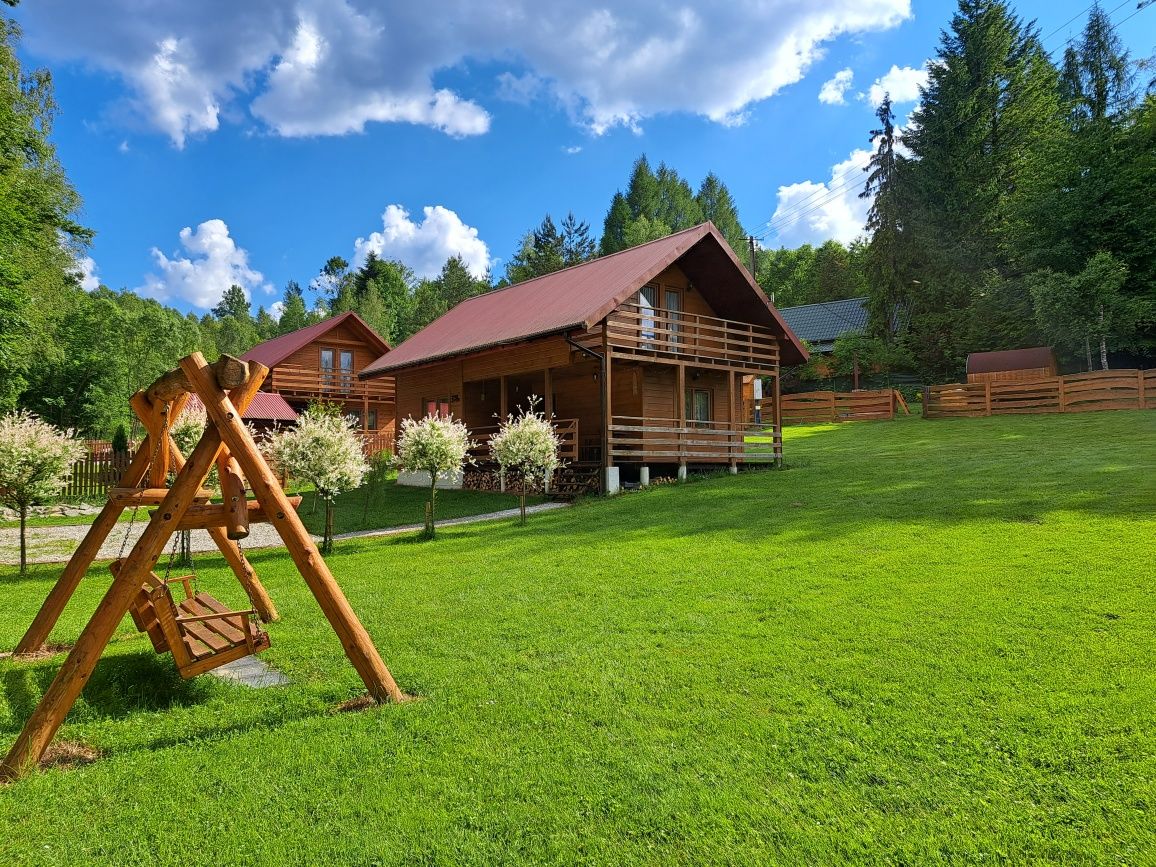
(345, 357)
(647, 304)
(337, 370)
(672, 302)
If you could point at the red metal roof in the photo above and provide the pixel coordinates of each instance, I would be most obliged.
(273, 352)
(1011, 359)
(580, 296)
(266, 406)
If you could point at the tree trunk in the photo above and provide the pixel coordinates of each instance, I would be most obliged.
(1103, 342)
(327, 536)
(23, 540)
(432, 517)
(523, 499)
(1088, 351)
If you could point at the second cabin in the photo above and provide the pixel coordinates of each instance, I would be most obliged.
(639, 357)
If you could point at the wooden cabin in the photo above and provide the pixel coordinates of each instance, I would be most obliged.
(638, 356)
(320, 362)
(1038, 362)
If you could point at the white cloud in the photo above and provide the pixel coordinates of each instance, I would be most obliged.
(213, 263)
(813, 212)
(834, 90)
(572, 150)
(329, 67)
(424, 246)
(86, 273)
(276, 309)
(902, 83)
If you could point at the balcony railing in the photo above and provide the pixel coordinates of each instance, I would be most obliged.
(342, 384)
(704, 340)
(664, 440)
(566, 428)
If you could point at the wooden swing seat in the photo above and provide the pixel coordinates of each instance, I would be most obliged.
(200, 632)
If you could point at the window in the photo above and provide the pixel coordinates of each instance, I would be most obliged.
(328, 357)
(372, 419)
(672, 301)
(354, 414)
(439, 406)
(346, 356)
(647, 302)
(698, 407)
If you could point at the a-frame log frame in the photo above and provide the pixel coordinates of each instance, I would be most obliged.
(225, 418)
(58, 699)
(133, 477)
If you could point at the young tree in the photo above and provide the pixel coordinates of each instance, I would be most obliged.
(528, 444)
(1088, 308)
(35, 463)
(717, 205)
(324, 450)
(439, 446)
(577, 245)
(614, 226)
(294, 313)
(886, 280)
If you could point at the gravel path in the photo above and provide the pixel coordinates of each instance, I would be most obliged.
(56, 544)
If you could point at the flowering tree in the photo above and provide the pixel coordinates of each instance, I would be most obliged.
(35, 462)
(435, 445)
(528, 444)
(324, 450)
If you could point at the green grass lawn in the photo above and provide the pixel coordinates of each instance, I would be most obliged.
(923, 642)
(394, 505)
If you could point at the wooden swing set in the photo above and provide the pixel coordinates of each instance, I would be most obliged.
(200, 632)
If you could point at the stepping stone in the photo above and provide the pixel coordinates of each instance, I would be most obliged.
(250, 671)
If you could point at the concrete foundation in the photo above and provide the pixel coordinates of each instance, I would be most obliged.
(644, 477)
(613, 485)
(682, 472)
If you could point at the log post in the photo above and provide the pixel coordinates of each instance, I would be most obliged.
(228, 371)
(680, 412)
(359, 648)
(233, 496)
(1141, 398)
(777, 421)
(732, 459)
(58, 699)
(987, 397)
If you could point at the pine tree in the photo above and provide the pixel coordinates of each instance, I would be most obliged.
(716, 204)
(577, 245)
(886, 280)
(233, 303)
(293, 311)
(642, 193)
(677, 207)
(266, 324)
(614, 226)
(542, 251)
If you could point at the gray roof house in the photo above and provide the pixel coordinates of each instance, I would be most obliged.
(821, 324)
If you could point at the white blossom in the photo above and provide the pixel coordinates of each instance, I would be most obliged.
(322, 449)
(436, 445)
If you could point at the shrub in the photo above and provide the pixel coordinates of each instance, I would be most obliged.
(528, 444)
(323, 450)
(35, 463)
(435, 445)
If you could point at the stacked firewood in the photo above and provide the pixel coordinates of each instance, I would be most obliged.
(567, 482)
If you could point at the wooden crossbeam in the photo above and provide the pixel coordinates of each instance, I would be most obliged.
(202, 517)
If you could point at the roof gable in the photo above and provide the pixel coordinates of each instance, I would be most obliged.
(582, 295)
(273, 352)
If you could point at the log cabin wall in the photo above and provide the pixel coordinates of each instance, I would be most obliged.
(434, 382)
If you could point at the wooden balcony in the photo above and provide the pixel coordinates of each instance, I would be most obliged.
(566, 428)
(329, 384)
(667, 441)
(704, 341)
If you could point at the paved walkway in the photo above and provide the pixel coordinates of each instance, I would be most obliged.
(56, 544)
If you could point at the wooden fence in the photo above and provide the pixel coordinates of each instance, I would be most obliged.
(1077, 392)
(95, 473)
(812, 407)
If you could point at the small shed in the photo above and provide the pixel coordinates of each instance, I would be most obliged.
(1038, 362)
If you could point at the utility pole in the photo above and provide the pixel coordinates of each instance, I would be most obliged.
(754, 273)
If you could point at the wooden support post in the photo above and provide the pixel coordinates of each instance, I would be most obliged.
(233, 496)
(987, 397)
(82, 558)
(548, 397)
(359, 648)
(1064, 397)
(607, 408)
(503, 399)
(1141, 398)
(731, 421)
(680, 408)
(777, 420)
(58, 699)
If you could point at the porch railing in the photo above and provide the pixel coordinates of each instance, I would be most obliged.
(329, 383)
(705, 340)
(566, 428)
(665, 440)
(373, 442)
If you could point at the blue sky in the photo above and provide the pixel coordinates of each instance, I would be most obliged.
(225, 142)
